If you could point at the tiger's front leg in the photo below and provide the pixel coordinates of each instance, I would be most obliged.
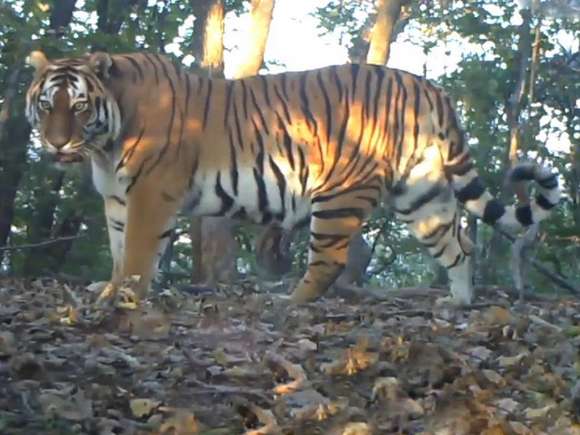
(150, 218)
(139, 236)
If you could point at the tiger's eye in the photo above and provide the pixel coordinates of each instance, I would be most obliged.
(44, 105)
(80, 106)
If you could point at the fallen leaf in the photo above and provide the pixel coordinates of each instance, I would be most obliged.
(143, 407)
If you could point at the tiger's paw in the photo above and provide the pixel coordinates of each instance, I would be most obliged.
(119, 295)
(303, 294)
(452, 302)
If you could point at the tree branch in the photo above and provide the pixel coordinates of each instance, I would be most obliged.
(40, 244)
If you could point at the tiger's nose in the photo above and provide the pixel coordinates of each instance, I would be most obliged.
(58, 133)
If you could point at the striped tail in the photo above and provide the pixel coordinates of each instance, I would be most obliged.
(471, 192)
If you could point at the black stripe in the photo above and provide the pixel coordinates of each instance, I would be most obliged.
(439, 231)
(166, 234)
(259, 111)
(207, 104)
(283, 79)
(229, 89)
(327, 106)
(339, 213)
(461, 167)
(281, 181)
(227, 200)
(440, 252)
(130, 151)
(378, 93)
(439, 107)
(337, 82)
(165, 147)
(305, 106)
(154, 67)
(187, 92)
(494, 210)
(262, 194)
(416, 108)
(543, 202)
(329, 240)
(455, 262)
(400, 142)
(367, 99)
(265, 88)
(135, 177)
(354, 70)
(233, 166)
(260, 153)
(304, 171)
(524, 215)
(136, 66)
(550, 182)
(284, 104)
(168, 197)
(388, 110)
(287, 142)
(238, 128)
(353, 188)
(244, 98)
(473, 190)
(522, 172)
(118, 200)
(422, 200)
(426, 93)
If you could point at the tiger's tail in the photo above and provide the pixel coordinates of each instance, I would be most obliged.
(472, 193)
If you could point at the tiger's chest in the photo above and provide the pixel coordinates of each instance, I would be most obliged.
(106, 182)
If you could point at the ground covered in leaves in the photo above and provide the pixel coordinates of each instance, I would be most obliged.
(240, 361)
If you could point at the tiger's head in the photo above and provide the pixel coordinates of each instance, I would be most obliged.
(70, 105)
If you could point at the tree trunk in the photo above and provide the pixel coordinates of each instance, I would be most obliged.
(12, 165)
(207, 48)
(514, 106)
(255, 44)
(388, 12)
(513, 112)
(208, 35)
(61, 15)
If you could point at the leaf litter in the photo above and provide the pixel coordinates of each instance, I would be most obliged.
(247, 363)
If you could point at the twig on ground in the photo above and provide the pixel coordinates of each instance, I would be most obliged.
(295, 371)
(541, 322)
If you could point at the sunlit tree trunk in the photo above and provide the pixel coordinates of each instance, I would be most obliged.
(255, 44)
(208, 35)
(514, 105)
(388, 12)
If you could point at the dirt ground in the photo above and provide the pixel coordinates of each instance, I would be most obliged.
(239, 361)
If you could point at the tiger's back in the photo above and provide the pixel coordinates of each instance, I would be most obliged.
(330, 143)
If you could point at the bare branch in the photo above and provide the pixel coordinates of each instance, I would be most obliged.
(40, 244)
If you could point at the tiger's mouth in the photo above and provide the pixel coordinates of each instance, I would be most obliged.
(68, 158)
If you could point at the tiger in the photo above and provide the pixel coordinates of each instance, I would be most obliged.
(324, 146)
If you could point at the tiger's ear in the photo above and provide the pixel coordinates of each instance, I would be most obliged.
(38, 60)
(101, 64)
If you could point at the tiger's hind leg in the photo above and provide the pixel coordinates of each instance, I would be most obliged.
(331, 228)
(439, 230)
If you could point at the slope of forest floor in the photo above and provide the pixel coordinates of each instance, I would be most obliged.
(238, 361)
